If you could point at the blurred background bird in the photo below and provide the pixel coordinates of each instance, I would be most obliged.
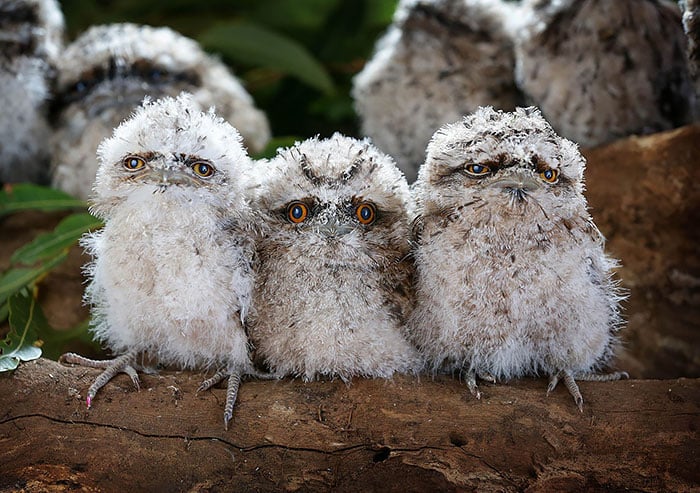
(439, 60)
(691, 25)
(105, 73)
(600, 70)
(31, 38)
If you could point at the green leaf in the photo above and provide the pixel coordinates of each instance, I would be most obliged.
(16, 279)
(307, 15)
(25, 196)
(380, 12)
(259, 47)
(19, 343)
(47, 245)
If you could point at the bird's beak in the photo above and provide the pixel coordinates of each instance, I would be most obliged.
(167, 176)
(517, 182)
(333, 227)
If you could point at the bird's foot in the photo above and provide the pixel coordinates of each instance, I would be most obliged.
(487, 377)
(216, 378)
(572, 387)
(570, 384)
(125, 363)
(471, 385)
(604, 377)
(471, 380)
(234, 383)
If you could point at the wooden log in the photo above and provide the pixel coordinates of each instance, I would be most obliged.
(404, 434)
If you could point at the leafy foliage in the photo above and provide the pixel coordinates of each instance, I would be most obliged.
(19, 345)
(26, 197)
(51, 245)
(249, 43)
(28, 326)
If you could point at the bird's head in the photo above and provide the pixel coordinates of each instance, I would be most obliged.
(114, 66)
(171, 147)
(509, 162)
(335, 191)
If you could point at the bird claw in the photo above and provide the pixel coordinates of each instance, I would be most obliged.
(572, 386)
(121, 364)
(234, 383)
(213, 380)
(472, 386)
(553, 381)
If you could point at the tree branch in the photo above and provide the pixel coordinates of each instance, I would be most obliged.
(400, 435)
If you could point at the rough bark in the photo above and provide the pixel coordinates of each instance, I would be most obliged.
(644, 194)
(401, 435)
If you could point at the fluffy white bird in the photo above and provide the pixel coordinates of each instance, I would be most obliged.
(333, 278)
(171, 276)
(105, 73)
(512, 278)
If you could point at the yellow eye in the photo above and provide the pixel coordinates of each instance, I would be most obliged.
(134, 163)
(205, 170)
(550, 175)
(365, 213)
(477, 170)
(297, 212)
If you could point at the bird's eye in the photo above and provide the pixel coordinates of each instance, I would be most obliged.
(297, 212)
(477, 170)
(365, 213)
(205, 170)
(80, 86)
(156, 74)
(550, 175)
(133, 163)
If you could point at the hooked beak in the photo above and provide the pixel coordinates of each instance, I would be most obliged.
(517, 182)
(165, 177)
(333, 227)
(517, 185)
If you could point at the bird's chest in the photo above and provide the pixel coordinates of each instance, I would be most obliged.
(500, 245)
(320, 283)
(152, 259)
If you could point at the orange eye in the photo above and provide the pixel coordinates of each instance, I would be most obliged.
(297, 212)
(550, 175)
(477, 169)
(205, 170)
(365, 213)
(133, 163)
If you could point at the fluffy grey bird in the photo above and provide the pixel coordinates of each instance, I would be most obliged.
(31, 36)
(439, 60)
(105, 73)
(171, 276)
(512, 277)
(333, 279)
(600, 70)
